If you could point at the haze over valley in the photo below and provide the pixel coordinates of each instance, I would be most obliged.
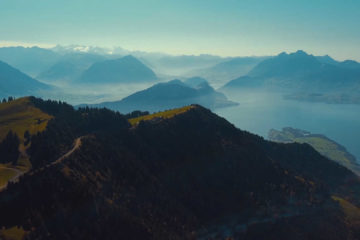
(100, 78)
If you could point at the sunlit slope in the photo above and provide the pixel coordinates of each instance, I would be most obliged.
(320, 143)
(165, 114)
(13, 233)
(5, 175)
(20, 115)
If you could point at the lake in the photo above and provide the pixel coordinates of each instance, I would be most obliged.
(259, 111)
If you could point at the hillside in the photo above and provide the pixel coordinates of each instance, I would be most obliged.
(64, 71)
(15, 83)
(159, 115)
(19, 120)
(123, 70)
(21, 115)
(194, 81)
(300, 71)
(321, 143)
(172, 94)
(191, 175)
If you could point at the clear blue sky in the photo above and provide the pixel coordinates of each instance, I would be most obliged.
(223, 27)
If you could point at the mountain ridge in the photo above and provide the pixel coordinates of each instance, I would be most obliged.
(189, 176)
(127, 69)
(168, 95)
(300, 71)
(13, 82)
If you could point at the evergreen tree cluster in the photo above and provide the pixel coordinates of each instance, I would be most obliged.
(9, 148)
(9, 99)
(67, 125)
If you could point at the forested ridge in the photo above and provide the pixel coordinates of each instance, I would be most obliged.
(191, 176)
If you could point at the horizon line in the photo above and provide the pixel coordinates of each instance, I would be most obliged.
(49, 46)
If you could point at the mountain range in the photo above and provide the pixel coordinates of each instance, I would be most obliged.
(127, 69)
(31, 61)
(229, 69)
(180, 174)
(301, 72)
(70, 67)
(304, 77)
(168, 95)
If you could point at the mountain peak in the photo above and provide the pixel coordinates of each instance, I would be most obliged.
(175, 81)
(301, 52)
(282, 54)
(122, 70)
(297, 53)
(129, 57)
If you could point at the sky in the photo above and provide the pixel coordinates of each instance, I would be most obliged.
(219, 27)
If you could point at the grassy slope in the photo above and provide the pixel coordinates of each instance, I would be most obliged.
(351, 212)
(165, 114)
(14, 233)
(18, 116)
(5, 175)
(325, 147)
(321, 144)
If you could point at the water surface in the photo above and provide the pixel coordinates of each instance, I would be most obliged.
(259, 111)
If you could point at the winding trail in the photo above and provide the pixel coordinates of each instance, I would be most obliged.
(76, 145)
(14, 179)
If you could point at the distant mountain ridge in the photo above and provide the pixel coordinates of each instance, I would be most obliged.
(168, 95)
(229, 69)
(15, 83)
(299, 71)
(30, 60)
(70, 67)
(127, 69)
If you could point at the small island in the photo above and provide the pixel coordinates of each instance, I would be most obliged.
(325, 146)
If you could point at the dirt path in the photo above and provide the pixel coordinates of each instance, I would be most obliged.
(76, 145)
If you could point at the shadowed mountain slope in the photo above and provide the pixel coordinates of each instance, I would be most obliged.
(70, 67)
(301, 71)
(30, 60)
(15, 83)
(168, 95)
(192, 175)
(123, 70)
